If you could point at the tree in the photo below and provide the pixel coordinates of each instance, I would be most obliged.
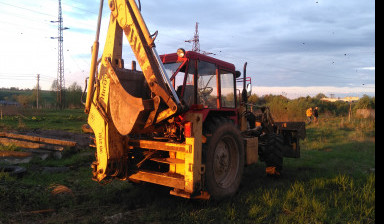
(23, 100)
(253, 99)
(73, 96)
(54, 85)
(365, 102)
(54, 89)
(320, 96)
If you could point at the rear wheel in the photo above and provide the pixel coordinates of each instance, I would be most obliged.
(224, 159)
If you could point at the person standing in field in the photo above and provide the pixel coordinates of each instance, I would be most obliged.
(316, 114)
(309, 115)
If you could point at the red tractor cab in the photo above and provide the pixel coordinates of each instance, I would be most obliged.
(203, 83)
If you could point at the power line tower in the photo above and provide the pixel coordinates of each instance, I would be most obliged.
(60, 60)
(196, 41)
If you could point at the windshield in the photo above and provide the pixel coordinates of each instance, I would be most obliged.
(187, 95)
(171, 68)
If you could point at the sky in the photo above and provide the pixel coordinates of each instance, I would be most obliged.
(293, 47)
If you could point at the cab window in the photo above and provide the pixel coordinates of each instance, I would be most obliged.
(207, 85)
(227, 89)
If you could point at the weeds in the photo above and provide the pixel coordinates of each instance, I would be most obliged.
(5, 177)
(332, 182)
(9, 148)
(68, 120)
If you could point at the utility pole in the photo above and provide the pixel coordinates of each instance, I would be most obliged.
(60, 61)
(350, 111)
(37, 93)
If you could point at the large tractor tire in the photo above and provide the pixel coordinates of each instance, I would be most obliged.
(224, 158)
(272, 154)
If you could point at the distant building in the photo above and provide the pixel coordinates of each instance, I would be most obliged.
(8, 103)
(9, 108)
(345, 99)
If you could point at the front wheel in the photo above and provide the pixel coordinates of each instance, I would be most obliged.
(224, 159)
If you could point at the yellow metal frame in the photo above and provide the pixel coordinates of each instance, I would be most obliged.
(185, 161)
(185, 170)
(125, 16)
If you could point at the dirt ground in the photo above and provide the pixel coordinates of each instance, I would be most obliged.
(83, 140)
(9, 110)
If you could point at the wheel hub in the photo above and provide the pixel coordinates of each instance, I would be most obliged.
(225, 162)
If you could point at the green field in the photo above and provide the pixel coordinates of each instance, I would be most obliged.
(69, 120)
(332, 182)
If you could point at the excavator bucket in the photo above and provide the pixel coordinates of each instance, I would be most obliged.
(129, 101)
(124, 108)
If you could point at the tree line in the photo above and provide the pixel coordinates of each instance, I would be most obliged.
(285, 109)
(281, 107)
(28, 98)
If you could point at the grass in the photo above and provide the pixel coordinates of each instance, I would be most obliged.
(332, 182)
(67, 120)
(9, 148)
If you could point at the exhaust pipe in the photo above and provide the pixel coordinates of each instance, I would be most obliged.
(244, 93)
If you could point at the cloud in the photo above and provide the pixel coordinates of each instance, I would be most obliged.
(368, 68)
(289, 44)
(293, 92)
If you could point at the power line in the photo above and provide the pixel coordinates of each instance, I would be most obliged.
(24, 74)
(82, 9)
(27, 26)
(38, 12)
(34, 11)
(29, 19)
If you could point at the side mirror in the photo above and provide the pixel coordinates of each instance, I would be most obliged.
(249, 89)
(237, 74)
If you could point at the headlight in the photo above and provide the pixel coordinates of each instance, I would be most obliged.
(180, 52)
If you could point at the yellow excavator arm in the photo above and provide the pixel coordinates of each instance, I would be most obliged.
(113, 110)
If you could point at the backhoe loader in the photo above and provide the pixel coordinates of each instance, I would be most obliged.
(180, 121)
